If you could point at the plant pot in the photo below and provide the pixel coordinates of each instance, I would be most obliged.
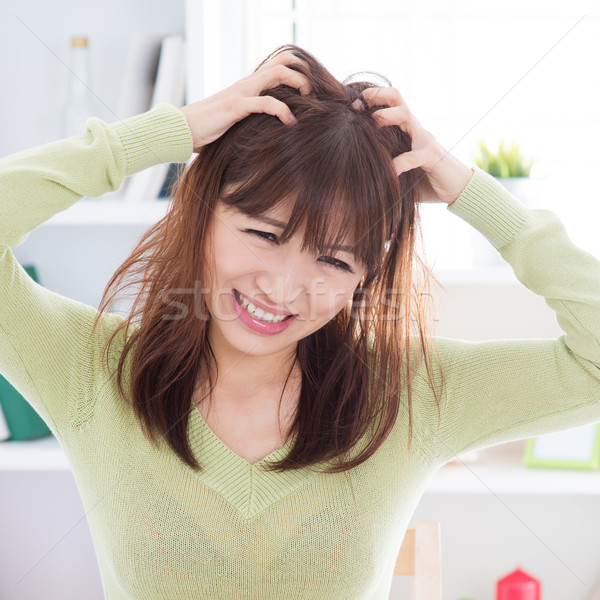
(524, 189)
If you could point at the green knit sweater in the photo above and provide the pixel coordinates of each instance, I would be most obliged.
(234, 532)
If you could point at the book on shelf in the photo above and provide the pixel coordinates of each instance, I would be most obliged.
(139, 74)
(154, 72)
(18, 419)
(4, 430)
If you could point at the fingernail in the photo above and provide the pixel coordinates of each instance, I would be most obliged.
(357, 104)
(292, 119)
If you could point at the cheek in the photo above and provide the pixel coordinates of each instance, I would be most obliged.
(231, 258)
(231, 262)
(330, 301)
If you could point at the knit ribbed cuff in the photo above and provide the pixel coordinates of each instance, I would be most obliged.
(489, 207)
(160, 135)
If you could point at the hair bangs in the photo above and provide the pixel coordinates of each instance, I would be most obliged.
(341, 195)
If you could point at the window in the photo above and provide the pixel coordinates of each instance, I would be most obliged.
(468, 70)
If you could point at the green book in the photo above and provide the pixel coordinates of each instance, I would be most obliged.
(22, 421)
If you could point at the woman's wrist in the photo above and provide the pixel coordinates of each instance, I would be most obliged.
(463, 176)
(183, 109)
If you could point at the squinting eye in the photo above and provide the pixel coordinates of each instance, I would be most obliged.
(271, 237)
(265, 235)
(338, 264)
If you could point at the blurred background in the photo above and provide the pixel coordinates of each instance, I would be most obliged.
(469, 71)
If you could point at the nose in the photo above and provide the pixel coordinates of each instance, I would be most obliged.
(282, 285)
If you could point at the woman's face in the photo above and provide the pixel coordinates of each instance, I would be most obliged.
(256, 280)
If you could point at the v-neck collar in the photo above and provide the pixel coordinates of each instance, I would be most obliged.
(248, 487)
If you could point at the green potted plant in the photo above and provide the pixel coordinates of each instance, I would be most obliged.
(509, 167)
(505, 163)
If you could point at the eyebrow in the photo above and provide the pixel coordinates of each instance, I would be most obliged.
(281, 225)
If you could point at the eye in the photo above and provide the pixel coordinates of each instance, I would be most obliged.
(333, 262)
(338, 264)
(265, 235)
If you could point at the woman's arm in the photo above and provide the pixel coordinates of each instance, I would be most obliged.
(37, 183)
(46, 351)
(503, 390)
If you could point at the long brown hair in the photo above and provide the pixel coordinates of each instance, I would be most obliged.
(333, 162)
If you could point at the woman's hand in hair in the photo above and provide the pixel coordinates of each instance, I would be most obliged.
(446, 175)
(212, 117)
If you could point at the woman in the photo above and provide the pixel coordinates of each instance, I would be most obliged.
(269, 424)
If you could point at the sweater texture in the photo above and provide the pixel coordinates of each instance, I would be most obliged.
(235, 531)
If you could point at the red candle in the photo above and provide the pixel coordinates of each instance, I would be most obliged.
(518, 585)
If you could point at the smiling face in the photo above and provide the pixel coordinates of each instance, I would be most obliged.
(264, 295)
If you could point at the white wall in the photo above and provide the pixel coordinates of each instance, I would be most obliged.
(34, 47)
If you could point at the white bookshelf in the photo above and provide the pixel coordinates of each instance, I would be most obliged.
(99, 212)
(42, 454)
(500, 470)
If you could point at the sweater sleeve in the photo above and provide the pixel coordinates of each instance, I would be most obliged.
(497, 391)
(47, 352)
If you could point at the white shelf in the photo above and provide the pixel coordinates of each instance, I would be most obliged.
(499, 470)
(43, 454)
(113, 211)
(493, 274)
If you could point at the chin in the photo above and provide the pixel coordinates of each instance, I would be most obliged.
(244, 341)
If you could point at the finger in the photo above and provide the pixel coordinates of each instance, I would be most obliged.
(358, 105)
(383, 95)
(278, 74)
(411, 160)
(266, 104)
(286, 59)
(395, 115)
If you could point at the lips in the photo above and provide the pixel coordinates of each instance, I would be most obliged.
(256, 324)
(257, 304)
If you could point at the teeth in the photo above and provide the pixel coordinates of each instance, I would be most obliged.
(259, 313)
